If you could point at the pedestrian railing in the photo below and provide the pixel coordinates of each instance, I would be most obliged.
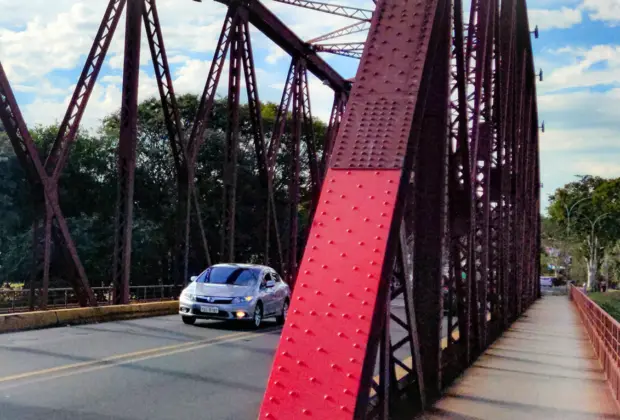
(26, 300)
(604, 333)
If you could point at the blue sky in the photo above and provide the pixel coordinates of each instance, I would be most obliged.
(43, 45)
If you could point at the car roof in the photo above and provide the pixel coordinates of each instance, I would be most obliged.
(255, 266)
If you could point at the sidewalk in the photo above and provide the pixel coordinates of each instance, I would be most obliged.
(543, 367)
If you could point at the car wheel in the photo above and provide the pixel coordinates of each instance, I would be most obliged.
(280, 319)
(189, 320)
(258, 316)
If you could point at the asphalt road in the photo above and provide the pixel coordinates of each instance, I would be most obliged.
(147, 369)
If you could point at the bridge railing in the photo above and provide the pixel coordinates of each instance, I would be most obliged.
(20, 300)
(604, 333)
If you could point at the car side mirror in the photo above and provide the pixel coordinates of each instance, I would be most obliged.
(270, 284)
(193, 278)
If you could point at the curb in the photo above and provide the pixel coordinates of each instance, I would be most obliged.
(62, 317)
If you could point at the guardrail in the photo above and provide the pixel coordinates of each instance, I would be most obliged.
(604, 333)
(58, 298)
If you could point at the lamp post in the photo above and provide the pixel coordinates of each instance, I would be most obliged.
(568, 213)
(592, 243)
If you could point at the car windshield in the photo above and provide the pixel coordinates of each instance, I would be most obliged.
(236, 276)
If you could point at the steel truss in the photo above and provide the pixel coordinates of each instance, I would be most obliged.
(428, 178)
(450, 197)
(234, 44)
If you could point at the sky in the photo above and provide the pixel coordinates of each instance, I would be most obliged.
(43, 45)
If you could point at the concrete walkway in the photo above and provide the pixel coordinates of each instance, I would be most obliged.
(543, 367)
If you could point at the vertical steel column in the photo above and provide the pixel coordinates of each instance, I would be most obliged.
(459, 196)
(429, 204)
(227, 249)
(294, 169)
(340, 100)
(127, 152)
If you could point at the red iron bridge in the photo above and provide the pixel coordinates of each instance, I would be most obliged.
(426, 192)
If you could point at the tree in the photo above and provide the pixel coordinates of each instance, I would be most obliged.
(88, 192)
(595, 222)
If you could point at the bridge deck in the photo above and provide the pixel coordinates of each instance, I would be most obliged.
(543, 367)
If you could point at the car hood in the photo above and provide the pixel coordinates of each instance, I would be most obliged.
(222, 290)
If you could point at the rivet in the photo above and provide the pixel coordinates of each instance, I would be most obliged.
(308, 331)
(352, 360)
(295, 311)
(317, 236)
(268, 415)
(326, 201)
(349, 230)
(312, 312)
(292, 393)
(336, 218)
(372, 197)
(306, 271)
(317, 292)
(305, 411)
(366, 219)
(334, 366)
(272, 399)
(357, 330)
(323, 213)
(349, 375)
(324, 266)
(319, 349)
(349, 294)
(330, 191)
(354, 208)
(310, 259)
(326, 397)
(330, 242)
(355, 345)
(328, 314)
(300, 298)
(346, 391)
(373, 263)
(336, 280)
(380, 225)
(276, 383)
(289, 339)
(314, 247)
(367, 289)
(343, 254)
(364, 303)
(376, 249)
(331, 305)
(300, 362)
(343, 408)
(284, 353)
(343, 196)
(345, 315)
(362, 316)
(281, 368)
(378, 238)
(348, 172)
(292, 325)
(359, 185)
(304, 285)
(312, 379)
(340, 334)
(355, 268)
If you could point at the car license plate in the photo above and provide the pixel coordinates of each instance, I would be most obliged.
(209, 309)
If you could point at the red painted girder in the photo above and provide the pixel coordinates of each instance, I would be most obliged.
(325, 360)
(334, 9)
(67, 132)
(347, 30)
(269, 24)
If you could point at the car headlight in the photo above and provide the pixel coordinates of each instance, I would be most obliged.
(188, 296)
(243, 299)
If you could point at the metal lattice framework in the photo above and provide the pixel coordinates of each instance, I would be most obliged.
(428, 179)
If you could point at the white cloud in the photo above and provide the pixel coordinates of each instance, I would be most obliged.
(603, 10)
(554, 19)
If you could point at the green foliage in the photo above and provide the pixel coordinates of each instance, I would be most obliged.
(608, 301)
(88, 194)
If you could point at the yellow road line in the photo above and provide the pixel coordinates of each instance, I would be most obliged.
(120, 359)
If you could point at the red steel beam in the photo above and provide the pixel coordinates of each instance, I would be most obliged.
(332, 9)
(325, 361)
(127, 152)
(269, 24)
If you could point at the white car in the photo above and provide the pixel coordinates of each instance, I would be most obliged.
(243, 292)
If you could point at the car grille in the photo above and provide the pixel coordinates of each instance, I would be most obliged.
(206, 299)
